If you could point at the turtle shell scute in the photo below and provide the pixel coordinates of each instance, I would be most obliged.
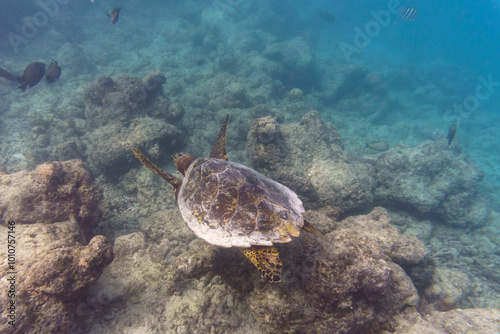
(228, 204)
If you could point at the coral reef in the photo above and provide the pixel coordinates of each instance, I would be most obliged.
(54, 208)
(252, 59)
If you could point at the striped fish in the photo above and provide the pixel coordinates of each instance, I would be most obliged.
(408, 13)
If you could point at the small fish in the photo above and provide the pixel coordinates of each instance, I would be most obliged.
(115, 15)
(32, 75)
(8, 76)
(451, 133)
(408, 13)
(378, 146)
(53, 73)
(326, 16)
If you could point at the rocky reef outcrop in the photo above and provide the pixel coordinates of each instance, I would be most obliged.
(123, 98)
(53, 192)
(346, 284)
(49, 211)
(308, 157)
(431, 179)
(352, 281)
(126, 111)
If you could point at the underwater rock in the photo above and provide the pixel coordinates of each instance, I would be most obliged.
(346, 285)
(308, 157)
(295, 94)
(54, 207)
(53, 275)
(377, 226)
(53, 192)
(356, 90)
(431, 179)
(122, 98)
(196, 262)
(110, 145)
(125, 111)
(465, 209)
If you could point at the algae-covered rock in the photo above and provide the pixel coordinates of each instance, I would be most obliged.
(124, 112)
(431, 179)
(54, 208)
(53, 192)
(110, 145)
(196, 262)
(51, 278)
(122, 98)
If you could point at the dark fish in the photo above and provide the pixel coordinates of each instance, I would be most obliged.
(408, 13)
(115, 15)
(378, 146)
(451, 133)
(326, 16)
(8, 76)
(53, 73)
(32, 75)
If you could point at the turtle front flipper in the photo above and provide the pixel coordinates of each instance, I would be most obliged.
(311, 229)
(157, 170)
(267, 260)
(219, 149)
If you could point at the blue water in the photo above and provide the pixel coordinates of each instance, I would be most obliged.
(439, 69)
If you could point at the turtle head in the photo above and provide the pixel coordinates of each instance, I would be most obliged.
(183, 161)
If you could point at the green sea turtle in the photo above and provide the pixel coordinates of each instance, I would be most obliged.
(230, 205)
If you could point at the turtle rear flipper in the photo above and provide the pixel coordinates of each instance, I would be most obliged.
(175, 182)
(219, 149)
(267, 260)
